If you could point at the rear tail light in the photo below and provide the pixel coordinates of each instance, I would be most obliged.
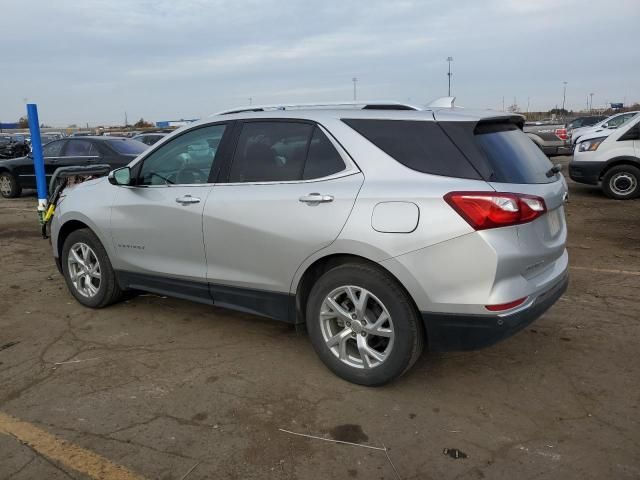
(561, 133)
(505, 306)
(483, 210)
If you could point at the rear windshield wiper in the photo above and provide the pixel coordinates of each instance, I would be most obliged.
(553, 170)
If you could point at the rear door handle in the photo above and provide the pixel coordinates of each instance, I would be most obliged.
(315, 198)
(187, 200)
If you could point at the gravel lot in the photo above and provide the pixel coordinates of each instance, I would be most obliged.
(160, 385)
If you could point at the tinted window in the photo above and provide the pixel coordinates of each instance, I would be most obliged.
(419, 145)
(52, 149)
(511, 155)
(323, 159)
(80, 148)
(271, 152)
(186, 159)
(127, 147)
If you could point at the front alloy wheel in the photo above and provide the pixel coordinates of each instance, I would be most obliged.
(84, 269)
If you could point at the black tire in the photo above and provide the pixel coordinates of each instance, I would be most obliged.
(408, 330)
(108, 291)
(7, 178)
(622, 182)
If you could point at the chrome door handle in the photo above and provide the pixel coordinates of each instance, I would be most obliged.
(187, 200)
(315, 198)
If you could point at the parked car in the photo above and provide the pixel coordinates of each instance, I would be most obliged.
(609, 123)
(581, 122)
(18, 173)
(551, 138)
(611, 160)
(11, 148)
(149, 138)
(381, 229)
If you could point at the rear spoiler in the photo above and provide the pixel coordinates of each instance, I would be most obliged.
(495, 123)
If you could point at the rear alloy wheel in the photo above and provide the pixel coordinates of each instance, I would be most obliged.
(363, 325)
(622, 182)
(9, 186)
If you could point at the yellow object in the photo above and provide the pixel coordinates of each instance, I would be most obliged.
(49, 213)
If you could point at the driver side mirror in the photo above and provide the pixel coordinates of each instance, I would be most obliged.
(120, 176)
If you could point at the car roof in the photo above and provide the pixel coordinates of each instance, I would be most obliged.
(319, 114)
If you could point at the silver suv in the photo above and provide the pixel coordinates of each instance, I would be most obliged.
(381, 228)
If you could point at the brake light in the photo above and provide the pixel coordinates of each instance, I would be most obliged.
(483, 210)
(505, 306)
(561, 133)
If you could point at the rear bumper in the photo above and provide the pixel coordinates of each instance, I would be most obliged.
(558, 150)
(453, 332)
(586, 172)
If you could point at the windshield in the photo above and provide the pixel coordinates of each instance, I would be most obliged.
(126, 146)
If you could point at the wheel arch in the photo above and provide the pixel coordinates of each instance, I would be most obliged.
(323, 264)
(622, 160)
(67, 229)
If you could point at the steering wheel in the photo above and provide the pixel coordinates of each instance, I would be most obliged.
(189, 175)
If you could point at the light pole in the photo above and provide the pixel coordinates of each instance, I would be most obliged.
(449, 60)
(250, 100)
(355, 81)
(564, 95)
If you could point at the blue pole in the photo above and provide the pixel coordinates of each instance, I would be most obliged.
(38, 159)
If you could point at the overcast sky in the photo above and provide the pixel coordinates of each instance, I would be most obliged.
(92, 60)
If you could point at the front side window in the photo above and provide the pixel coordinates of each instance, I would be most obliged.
(187, 159)
(52, 149)
(80, 148)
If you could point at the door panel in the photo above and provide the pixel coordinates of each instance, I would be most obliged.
(154, 234)
(257, 235)
(157, 225)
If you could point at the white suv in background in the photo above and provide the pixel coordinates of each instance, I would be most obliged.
(610, 158)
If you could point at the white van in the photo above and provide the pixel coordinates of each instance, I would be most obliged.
(611, 159)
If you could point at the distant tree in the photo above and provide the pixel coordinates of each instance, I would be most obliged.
(73, 125)
(558, 111)
(142, 124)
(513, 108)
(23, 122)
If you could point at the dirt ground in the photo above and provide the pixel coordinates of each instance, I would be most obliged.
(158, 385)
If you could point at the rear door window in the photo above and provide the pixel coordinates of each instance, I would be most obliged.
(420, 145)
(323, 159)
(271, 152)
(80, 148)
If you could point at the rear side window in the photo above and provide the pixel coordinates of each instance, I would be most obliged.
(127, 147)
(419, 145)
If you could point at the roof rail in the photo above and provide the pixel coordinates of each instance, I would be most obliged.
(442, 102)
(374, 105)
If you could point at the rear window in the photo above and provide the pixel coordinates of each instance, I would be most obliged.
(127, 147)
(419, 145)
(511, 155)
